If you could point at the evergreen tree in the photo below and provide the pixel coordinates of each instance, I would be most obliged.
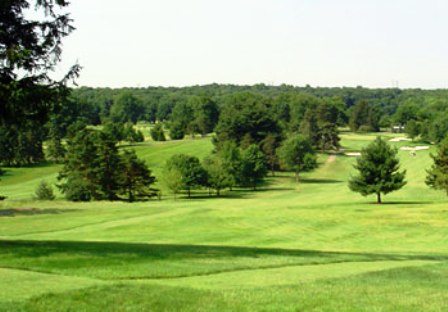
(437, 177)
(329, 137)
(137, 177)
(378, 168)
(29, 51)
(157, 133)
(92, 167)
(44, 191)
(297, 154)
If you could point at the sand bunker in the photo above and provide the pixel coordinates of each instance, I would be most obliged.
(416, 148)
(353, 154)
(399, 139)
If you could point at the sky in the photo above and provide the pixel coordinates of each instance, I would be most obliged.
(327, 43)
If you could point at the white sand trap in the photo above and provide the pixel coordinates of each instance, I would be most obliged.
(416, 148)
(399, 139)
(353, 154)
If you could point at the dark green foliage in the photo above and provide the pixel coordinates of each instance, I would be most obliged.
(189, 170)
(177, 131)
(329, 137)
(130, 134)
(437, 177)
(269, 147)
(246, 116)
(297, 154)
(55, 147)
(44, 191)
(115, 130)
(127, 108)
(364, 118)
(253, 166)
(92, 167)
(29, 51)
(413, 129)
(21, 144)
(309, 127)
(157, 133)
(137, 177)
(218, 176)
(206, 114)
(378, 168)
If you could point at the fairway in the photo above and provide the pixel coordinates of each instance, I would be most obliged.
(308, 246)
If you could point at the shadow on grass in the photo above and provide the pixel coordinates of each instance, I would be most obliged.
(32, 211)
(400, 203)
(34, 249)
(319, 181)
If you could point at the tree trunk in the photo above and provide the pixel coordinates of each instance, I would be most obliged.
(378, 196)
(217, 192)
(297, 176)
(189, 193)
(273, 170)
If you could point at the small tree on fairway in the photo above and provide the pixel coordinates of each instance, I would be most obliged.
(44, 191)
(253, 166)
(173, 180)
(136, 176)
(231, 158)
(438, 174)
(378, 168)
(297, 154)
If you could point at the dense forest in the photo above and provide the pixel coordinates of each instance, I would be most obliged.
(244, 114)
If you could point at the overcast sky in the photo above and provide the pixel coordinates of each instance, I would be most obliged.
(373, 43)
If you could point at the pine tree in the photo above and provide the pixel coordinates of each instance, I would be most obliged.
(137, 177)
(437, 177)
(378, 168)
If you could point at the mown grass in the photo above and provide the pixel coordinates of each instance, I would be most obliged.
(312, 246)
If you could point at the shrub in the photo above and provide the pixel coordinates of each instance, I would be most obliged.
(44, 191)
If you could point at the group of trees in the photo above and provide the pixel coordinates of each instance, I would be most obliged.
(95, 169)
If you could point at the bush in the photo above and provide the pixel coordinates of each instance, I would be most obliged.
(177, 132)
(157, 133)
(77, 190)
(44, 191)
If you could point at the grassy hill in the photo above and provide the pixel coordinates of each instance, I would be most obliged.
(312, 246)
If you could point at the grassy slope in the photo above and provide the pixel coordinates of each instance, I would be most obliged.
(313, 246)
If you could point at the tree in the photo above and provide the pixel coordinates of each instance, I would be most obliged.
(127, 108)
(437, 177)
(412, 129)
(137, 177)
(192, 174)
(173, 180)
(378, 168)
(157, 133)
(177, 132)
(253, 166)
(29, 52)
(329, 137)
(269, 147)
(231, 159)
(297, 154)
(44, 191)
(218, 177)
(92, 167)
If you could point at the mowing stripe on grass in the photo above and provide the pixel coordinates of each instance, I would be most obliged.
(292, 275)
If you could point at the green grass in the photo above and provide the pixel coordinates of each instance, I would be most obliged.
(312, 246)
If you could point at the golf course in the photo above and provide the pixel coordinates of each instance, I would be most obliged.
(309, 246)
